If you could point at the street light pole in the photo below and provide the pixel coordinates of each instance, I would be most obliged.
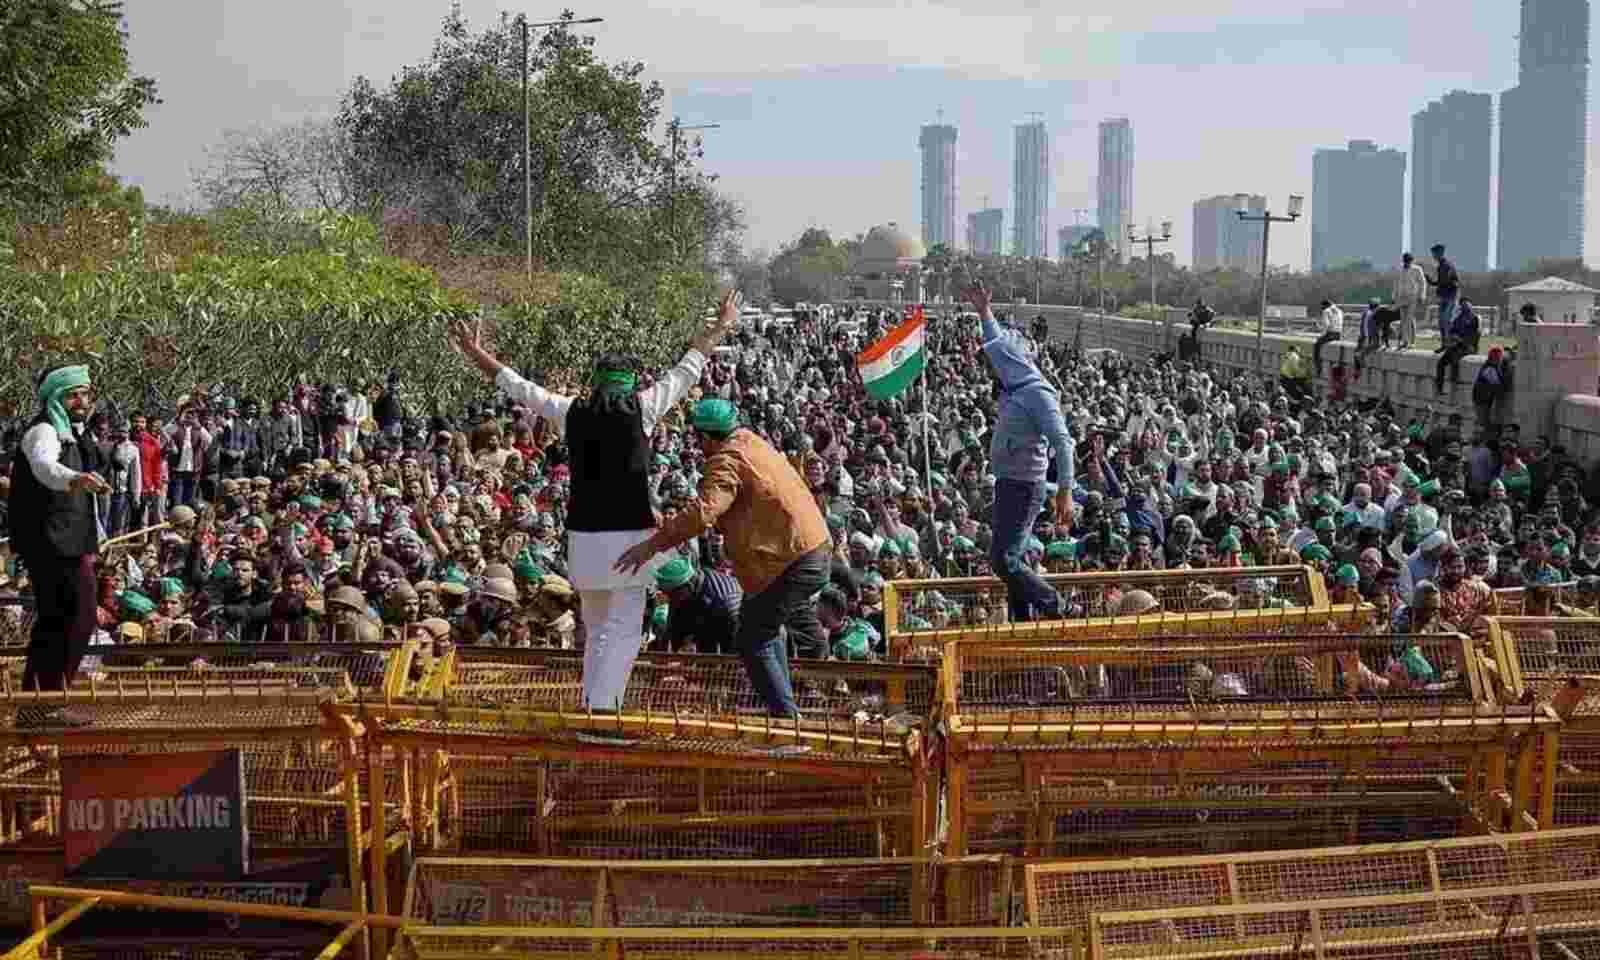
(1150, 240)
(1266, 219)
(677, 129)
(527, 127)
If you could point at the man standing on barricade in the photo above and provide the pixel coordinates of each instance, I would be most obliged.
(1027, 427)
(776, 538)
(608, 437)
(54, 527)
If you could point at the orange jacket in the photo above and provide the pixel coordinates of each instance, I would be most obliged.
(754, 496)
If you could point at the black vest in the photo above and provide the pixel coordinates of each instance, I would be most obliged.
(610, 462)
(45, 522)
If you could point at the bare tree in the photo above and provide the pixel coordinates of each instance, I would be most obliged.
(283, 170)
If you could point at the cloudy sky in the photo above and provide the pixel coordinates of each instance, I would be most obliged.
(821, 100)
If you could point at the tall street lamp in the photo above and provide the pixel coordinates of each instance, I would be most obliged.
(677, 128)
(1266, 219)
(1150, 240)
(527, 125)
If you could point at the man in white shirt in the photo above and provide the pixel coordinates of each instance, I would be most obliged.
(1330, 327)
(1410, 290)
(1370, 514)
(184, 444)
(54, 527)
(608, 434)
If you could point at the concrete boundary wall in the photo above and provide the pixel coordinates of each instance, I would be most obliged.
(1568, 412)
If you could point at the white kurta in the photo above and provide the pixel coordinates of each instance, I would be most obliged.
(612, 603)
(591, 555)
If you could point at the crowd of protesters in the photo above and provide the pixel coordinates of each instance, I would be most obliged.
(339, 513)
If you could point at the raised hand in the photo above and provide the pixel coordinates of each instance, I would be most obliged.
(978, 295)
(718, 328)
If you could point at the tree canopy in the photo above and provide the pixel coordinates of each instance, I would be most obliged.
(67, 94)
(443, 144)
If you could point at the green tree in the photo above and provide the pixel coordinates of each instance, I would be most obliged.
(67, 96)
(808, 269)
(443, 144)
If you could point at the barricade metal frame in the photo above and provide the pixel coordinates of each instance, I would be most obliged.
(901, 641)
(1456, 924)
(462, 891)
(553, 679)
(1555, 661)
(1004, 762)
(1070, 893)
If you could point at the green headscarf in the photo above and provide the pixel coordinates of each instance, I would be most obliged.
(54, 387)
(715, 416)
(135, 605)
(525, 568)
(615, 378)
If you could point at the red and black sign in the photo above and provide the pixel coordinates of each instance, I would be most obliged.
(176, 815)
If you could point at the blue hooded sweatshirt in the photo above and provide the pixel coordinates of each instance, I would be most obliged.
(1029, 423)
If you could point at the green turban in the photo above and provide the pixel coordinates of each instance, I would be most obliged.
(835, 522)
(715, 416)
(1228, 544)
(1347, 575)
(135, 605)
(170, 587)
(1315, 553)
(342, 522)
(1430, 488)
(525, 568)
(855, 643)
(311, 502)
(221, 570)
(889, 549)
(1324, 523)
(1059, 550)
(674, 574)
(964, 543)
(54, 387)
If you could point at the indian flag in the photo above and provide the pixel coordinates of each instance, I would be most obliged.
(894, 363)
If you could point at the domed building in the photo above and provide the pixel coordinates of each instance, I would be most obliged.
(889, 266)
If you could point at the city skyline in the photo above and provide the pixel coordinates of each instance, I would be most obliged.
(776, 74)
(938, 145)
(1031, 191)
(1450, 177)
(1357, 205)
(1114, 182)
(1221, 239)
(1543, 136)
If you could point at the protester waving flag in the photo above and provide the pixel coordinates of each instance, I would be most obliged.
(894, 363)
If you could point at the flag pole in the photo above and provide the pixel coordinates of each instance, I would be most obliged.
(927, 447)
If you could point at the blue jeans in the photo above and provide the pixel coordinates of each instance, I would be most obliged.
(1016, 509)
(1447, 312)
(118, 514)
(787, 603)
(180, 489)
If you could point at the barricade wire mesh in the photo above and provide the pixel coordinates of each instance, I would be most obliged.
(932, 605)
(1068, 894)
(1341, 673)
(691, 684)
(1549, 655)
(422, 943)
(1155, 808)
(635, 810)
(1456, 925)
